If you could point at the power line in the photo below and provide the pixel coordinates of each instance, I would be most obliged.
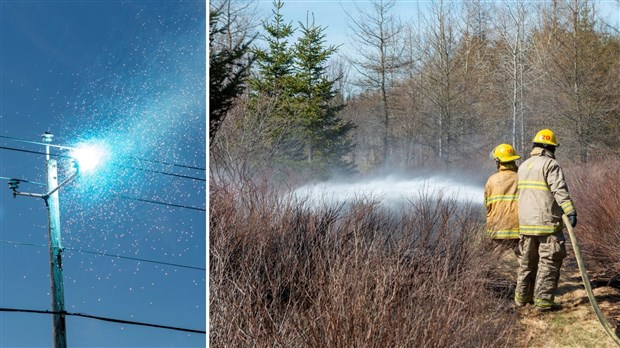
(119, 321)
(123, 197)
(118, 165)
(36, 142)
(31, 151)
(161, 203)
(160, 172)
(100, 253)
(136, 259)
(168, 163)
(23, 180)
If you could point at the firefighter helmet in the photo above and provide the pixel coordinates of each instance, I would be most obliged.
(505, 153)
(546, 137)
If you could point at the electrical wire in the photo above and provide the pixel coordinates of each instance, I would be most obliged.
(117, 196)
(36, 142)
(100, 253)
(161, 203)
(168, 163)
(119, 321)
(136, 259)
(31, 151)
(22, 180)
(160, 172)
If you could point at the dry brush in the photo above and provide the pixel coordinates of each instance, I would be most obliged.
(285, 274)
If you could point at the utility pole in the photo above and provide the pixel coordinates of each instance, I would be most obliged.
(55, 242)
(56, 249)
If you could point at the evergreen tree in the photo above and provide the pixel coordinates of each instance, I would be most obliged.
(324, 133)
(275, 64)
(293, 80)
(272, 85)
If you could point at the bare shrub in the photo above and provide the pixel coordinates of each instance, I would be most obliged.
(287, 274)
(597, 199)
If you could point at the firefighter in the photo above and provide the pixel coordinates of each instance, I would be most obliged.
(543, 198)
(500, 199)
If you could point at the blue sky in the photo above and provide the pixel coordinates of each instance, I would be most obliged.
(130, 76)
(332, 14)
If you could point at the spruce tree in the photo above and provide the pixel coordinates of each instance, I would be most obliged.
(275, 64)
(272, 85)
(292, 79)
(324, 133)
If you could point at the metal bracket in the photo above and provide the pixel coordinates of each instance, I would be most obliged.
(14, 185)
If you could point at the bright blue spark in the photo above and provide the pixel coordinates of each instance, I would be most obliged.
(90, 156)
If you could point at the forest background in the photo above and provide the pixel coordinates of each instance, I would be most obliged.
(439, 92)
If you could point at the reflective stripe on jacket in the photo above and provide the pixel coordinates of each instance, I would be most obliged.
(500, 199)
(543, 194)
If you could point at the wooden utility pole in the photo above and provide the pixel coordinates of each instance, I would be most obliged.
(58, 289)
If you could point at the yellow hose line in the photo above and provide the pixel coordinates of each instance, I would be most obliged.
(586, 282)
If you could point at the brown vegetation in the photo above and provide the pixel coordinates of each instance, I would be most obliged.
(597, 198)
(286, 274)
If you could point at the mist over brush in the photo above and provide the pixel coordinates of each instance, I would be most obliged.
(354, 274)
(391, 191)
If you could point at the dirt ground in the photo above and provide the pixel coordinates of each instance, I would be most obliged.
(575, 324)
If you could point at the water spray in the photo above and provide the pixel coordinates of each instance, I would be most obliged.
(392, 192)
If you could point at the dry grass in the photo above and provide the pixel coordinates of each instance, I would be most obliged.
(576, 324)
(596, 193)
(283, 274)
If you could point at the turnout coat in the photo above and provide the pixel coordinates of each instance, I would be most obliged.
(500, 199)
(543, 194)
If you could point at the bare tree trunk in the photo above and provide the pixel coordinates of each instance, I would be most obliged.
(582, 146)
(379, 55)
(515, 88)
(386, 120)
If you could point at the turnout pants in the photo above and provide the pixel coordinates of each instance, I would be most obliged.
(539, 269)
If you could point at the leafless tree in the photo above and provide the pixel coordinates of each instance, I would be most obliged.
(246, 147)
(378, 57)
(241, 20)
(512, 27)
(438, 73)
(579, 86)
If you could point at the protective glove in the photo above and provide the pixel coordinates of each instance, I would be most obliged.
(572, 217)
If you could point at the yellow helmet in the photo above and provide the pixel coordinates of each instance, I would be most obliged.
(505, 153)
(546, 137)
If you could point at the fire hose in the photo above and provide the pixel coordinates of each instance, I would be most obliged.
(586, 282)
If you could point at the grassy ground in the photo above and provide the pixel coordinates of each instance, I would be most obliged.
(575, 325)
